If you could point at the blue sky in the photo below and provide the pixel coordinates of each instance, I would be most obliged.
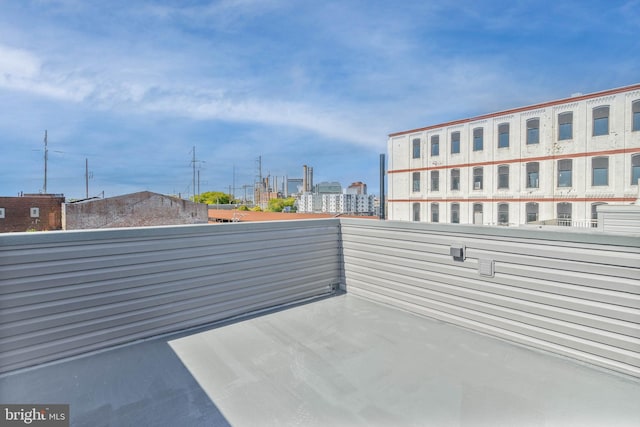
(133, 85)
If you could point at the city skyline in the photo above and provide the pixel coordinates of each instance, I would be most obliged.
(133, 86)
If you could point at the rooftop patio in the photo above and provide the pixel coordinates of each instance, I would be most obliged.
(335, 361)
(323, 322)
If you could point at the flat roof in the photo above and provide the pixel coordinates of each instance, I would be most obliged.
(246, 216)
(341, 360)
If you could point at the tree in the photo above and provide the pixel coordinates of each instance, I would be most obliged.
(278, 205)
(212, 198)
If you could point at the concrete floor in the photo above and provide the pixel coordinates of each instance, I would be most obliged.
(337, 361)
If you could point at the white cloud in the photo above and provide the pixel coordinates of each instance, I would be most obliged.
(17, 63)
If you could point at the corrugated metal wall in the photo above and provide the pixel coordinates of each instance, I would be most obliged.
(66, 293)
(575, 294)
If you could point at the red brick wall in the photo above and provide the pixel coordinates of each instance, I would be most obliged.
(17, 213)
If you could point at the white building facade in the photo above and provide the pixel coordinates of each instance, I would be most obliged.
(550, 163)
(358, 204)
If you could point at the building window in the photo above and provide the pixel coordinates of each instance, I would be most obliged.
(455, 213)
(503, 135)
(455, 179)
(532, 212)
(565, 126)
(564, 214)
(599, 171)
(594, 213)
(477, 178)
(565, 170)
(478, 139)
(635, 108)
(635, 169)
(533, 131)
(35, 212)
(455, 143)
(416, 148)
(416, 212)
(435, 212)
(435, 180)
(601, 121)
(503, 176)
(503, 214)
(416, 182)
(1, 212)
(477, 213)
(533, 175)
(435, 145)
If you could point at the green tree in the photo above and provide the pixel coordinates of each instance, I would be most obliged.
(212, 198)
(278, 205)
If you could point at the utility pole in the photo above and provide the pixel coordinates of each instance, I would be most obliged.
(86, 177)
(195, 185)
(194, 173)
(46, 156)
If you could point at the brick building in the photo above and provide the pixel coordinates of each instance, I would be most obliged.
(31, 212)
(140, 209)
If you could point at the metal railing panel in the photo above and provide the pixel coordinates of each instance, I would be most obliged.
(67, 293)
(576, 295)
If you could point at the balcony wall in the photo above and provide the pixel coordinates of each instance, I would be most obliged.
(67, 293)
(575, 294)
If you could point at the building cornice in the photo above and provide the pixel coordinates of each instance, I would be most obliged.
(592, 96)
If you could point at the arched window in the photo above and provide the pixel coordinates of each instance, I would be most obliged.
(455, 143)
(601, 120)
(416, 148)
(635, 112)
(565, 172)
(455, 213)
(503, 176)
(565, 126)
(478, 141)
(503, 135)
(532, 212)
(477, 178)
(435, 145)
(416, 182)
(503, 214)
(533, 131)
(594, 213)
(455, 179)
(635, 169)
(435, 212)
(599, 171)
(533, 175)
(563, 214)
(477, 213)
(435, 180)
